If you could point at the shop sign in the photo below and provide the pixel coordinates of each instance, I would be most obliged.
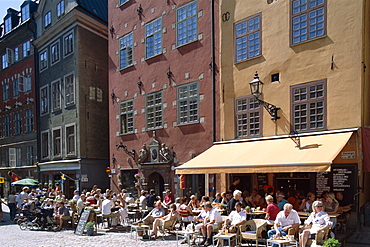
(348, 155)
(84, 180)
(2, 180)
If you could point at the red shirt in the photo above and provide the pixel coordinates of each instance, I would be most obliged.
(168, 199)
(273, 210)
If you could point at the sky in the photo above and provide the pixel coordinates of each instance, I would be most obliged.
(5, 4)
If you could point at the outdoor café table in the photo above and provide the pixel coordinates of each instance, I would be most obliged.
(196, 211)
(188, 234)
(137, 228)
(281, 242)
(229, 237)
(255, 214)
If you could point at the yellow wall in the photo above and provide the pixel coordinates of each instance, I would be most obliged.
(302, 63)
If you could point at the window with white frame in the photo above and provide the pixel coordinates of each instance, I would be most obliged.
(16, 54)
(154, 110)
(69, 90)
(12, 157)
(4, 60)
(16, 88)
(60, 8)
(8, 24)
(127, 117)
(309, 106)
(122, 1)
(57, 142)
(308, 21)
(17, 123)
(248, 38)
(28, 114)
(56, 95)
(27, 83)
(43, 60)
(5, 92)
(187, 23)
(47, 19)
(29, 155)
(54, 53)
(45, 144)
(153, 38)
(248, 114)
(188, 103)
(68, 44)
(44, 100)
(126, 56)
(26, 49)
(7, 129)
(70, 140)
(18, 157)
(25, 11)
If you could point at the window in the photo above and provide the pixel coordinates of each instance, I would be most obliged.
(188, 106)
(7, 126)
(69, 90)
(29, 120)
(248, 38)
(56, 95)
(29, 155)
(154, 113)
(43, 60)
(44, 100)
(126, 55)
(60, 8)
(248, 115)
(45, 144)
(54, 52)
(4, 59)
(309, 106)
(122, 1)
(16, 54)
(47, 19)
(153, 38)
(68, 44)
(127, 117)
(57, 148)
(5, 92)
(70, 140)
(16, 88)
(308, 20)
(8, 24)
(17, 123)
(12, 157)
(27, 83)
(25, 12)
(26, 49)
(187, 23)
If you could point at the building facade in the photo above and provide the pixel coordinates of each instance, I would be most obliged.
(18, 149)
(162, 79)
(72, 80)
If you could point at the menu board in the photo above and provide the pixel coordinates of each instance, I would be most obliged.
(262, 180)
(82, 222)
(322, 182)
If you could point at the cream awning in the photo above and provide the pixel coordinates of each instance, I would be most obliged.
(269, 156)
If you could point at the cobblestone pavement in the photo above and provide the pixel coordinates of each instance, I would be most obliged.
(11, 235)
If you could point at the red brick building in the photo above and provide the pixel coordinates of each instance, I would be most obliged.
(162, 79)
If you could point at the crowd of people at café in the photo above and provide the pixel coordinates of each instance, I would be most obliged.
(278, 208)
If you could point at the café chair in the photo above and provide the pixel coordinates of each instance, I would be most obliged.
(319, 238)
(254, 230)
(168, 226)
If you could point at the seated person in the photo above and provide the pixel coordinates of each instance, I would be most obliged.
(272, 209)
(185, 211)
(122, 208)
(160, 221)
(235, 219)
(319, 220)
(218, 198)
(210, 223)
(286, 219)
(62, 215)
(194, 203)
(107, 207)
(81, 203)
(156, 213)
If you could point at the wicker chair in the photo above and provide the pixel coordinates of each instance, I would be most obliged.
(167, 226)
(256, 227)
(320, 237)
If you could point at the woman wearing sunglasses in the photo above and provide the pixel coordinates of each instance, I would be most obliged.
(319, 220)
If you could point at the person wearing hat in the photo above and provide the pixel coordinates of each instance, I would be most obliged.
(281, 201)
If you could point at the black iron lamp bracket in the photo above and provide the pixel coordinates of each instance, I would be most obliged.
(271, 109)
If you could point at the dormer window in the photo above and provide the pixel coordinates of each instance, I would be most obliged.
(25, 12)
(60, 8)
(47, 19)
(8, 24)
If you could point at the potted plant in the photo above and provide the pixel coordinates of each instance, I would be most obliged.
(92, 214)
(332, 242)
(140, 230)
(90, 228)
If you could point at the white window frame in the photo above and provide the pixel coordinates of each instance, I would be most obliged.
(59, 139)
(43, 60)
(29, 120)
(16, 88)
(68, 43)
(153, 35)
(66, 93)
(8, 24)
(74, 141)
(27, 48)
(12, 152)
(17, 119)
(16, 54)
(43, 156)
(55, 53)
(60, 11)
(126, 49)
(47, 19)
(56, 95)
(186, 20)
(4, 59)
(46, 111)
(25, 12)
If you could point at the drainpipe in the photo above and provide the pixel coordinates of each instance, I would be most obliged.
(213, 71)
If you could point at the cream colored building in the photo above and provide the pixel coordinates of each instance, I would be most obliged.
(311, 56)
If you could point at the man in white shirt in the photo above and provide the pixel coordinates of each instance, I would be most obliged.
(76, 195)
(107, 206)
(286, 219)
(81, 203)
(211, 222)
